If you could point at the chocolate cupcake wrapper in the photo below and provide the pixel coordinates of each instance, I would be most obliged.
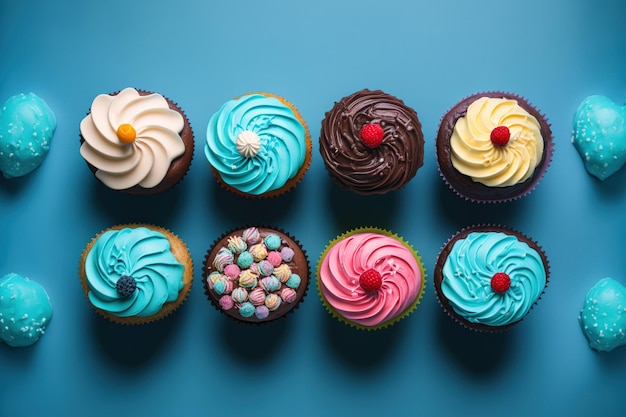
(256, 322)
(438, 277)
(182, 255)
(392, 321)
(291, 183)
(501, 194)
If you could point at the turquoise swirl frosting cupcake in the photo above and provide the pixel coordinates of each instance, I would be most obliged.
(135, 273)
(258, 145)
(489, 278)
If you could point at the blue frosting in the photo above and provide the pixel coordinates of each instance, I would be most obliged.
(25, 310)
(282, 136)
(472, 263)
(26, 127)
(599, 135)
(603, 317)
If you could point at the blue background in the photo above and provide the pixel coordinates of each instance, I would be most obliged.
(200, 54)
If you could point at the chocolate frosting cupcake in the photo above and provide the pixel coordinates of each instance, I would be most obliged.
(371, 142)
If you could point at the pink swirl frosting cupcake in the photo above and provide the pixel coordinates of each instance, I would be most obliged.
(370, 278)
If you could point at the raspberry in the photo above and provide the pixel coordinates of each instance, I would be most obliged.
(372, 135)
(500, 282)
(370, 280)
(500, 135)
(125, 286)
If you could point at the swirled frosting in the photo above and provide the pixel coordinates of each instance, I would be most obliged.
(473, 154)
(470, 266)
(357, 167)
(142, 254)
(27, 125)
(256, 143)
(25, 310)
(348, 258)
(143, 159)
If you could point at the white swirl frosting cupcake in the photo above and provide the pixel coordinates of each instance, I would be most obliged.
(137, 142)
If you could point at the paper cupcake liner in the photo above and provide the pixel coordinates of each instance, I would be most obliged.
(500, 194)
(285, 309)
(181, 253)
(438, 276)
(181, 164)
(391, 321)
(292, 182)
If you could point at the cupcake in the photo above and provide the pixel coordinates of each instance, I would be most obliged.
(371, 142)
(256, 274)
(493, 147)
(27, 125)
(136, 273)
(489, 277)
(258, 145)
(25, 310)
(136, 141)
(370, 278)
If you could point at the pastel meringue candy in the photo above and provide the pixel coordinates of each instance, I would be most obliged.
(599, 135)
(27, 125)
(603, 316)
(25, 310)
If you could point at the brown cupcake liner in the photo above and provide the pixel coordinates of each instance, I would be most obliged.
(460, 183)
(408, 311)
(180, 166)
(292, 182)
(445, 251)
(180, 252)
(285, 309)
